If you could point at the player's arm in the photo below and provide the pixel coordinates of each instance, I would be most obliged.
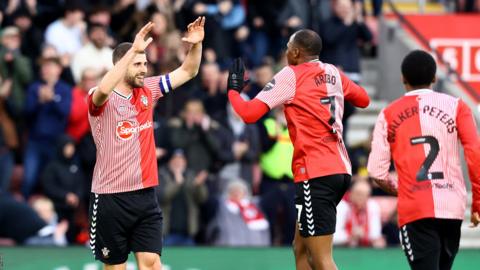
(379, 160)
(280, 90)
(191, 64)
(113, 77)
(467, 133)
(354, 93)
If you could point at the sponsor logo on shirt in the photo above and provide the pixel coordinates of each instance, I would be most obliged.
(127, 129)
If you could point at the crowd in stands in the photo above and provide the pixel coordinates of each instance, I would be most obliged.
(222, 182)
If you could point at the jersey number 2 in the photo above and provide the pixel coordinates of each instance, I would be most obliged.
(423, 174)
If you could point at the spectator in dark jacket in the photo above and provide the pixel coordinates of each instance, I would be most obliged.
(239, 148)
(47, 107)
(8, 140)
(63, 182)
(195, 134)
(180, 194)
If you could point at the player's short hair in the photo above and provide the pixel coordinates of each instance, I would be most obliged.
(309, 41)
(120, 51)
(419, 68)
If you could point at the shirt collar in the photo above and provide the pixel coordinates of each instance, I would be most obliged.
(418, 92)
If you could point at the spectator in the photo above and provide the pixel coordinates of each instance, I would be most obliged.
(63, 183)
(341, 35)
(25, 226)
(239, 148)
(32, 36)
(265, 31)
(16, 68)
(78, 126)
(180, 194)
(195, 134)
(239, 221)
(47, 107)
(213, 96)
(95, 54)
(54, 232)
(358, 220)
(277, 190)
(228, 33)
(164, 51)
(263, 75)
(8, 139)
(67, 34)
(49, 51)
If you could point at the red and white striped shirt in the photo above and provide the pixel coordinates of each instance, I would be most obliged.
(421, 132)
(313, 94)
(122, 129)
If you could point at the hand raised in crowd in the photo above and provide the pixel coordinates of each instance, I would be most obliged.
(5, 88)
(201, 177)
(141, 41)
(195, 31)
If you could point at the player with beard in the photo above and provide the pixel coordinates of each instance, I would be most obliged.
(124, 212)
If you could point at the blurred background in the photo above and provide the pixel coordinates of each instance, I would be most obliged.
(237, 190)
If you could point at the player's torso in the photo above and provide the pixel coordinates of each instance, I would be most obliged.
(423, 138)
(315, 122)
(123, 135)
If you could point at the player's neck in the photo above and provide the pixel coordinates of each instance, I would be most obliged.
(409, 88)
(307, 59)
(124, 89)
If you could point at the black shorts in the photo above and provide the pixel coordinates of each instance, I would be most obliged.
(431, 244)
(316, 201)
(124, 222)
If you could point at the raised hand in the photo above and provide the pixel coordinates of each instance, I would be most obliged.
(236, 74)
(195, 31)
(141, 43)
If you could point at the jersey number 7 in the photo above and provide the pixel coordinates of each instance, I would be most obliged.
(423, 174)
(330, 100)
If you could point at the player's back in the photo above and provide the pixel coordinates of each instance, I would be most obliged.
(423, 138)
(315, 122)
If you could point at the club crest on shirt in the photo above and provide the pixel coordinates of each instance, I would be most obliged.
(144, 101)
(269, 85)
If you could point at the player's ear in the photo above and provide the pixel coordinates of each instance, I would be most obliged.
(434, 80)
(403, 80)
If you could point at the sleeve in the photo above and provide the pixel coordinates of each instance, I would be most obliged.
(249, 111)
(31, 103)
(467, 133)
(353, 92)
(380, 156)
(159, 85)
(280, 90)
(62, 101)
(93, 109)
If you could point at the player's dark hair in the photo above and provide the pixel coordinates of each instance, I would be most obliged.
(120, 51)
(419, 68)
(309, 41)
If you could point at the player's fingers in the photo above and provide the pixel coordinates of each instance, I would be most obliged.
(190, 26)
(202, 21)
(146, 28)
(197, 21)
(148, 41)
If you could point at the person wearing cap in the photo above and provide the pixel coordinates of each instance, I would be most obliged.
(47, 108)
(15, 68)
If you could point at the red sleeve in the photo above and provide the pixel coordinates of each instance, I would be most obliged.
(249, 111)
(354, 93)
(467, 132)
(93, 109)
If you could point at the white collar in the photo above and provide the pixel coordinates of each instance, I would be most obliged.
(122, 95)
(418, 92)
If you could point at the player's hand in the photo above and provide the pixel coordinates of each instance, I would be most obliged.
(141, 43)
(195, 31)
(474, 219)
(236, 74)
